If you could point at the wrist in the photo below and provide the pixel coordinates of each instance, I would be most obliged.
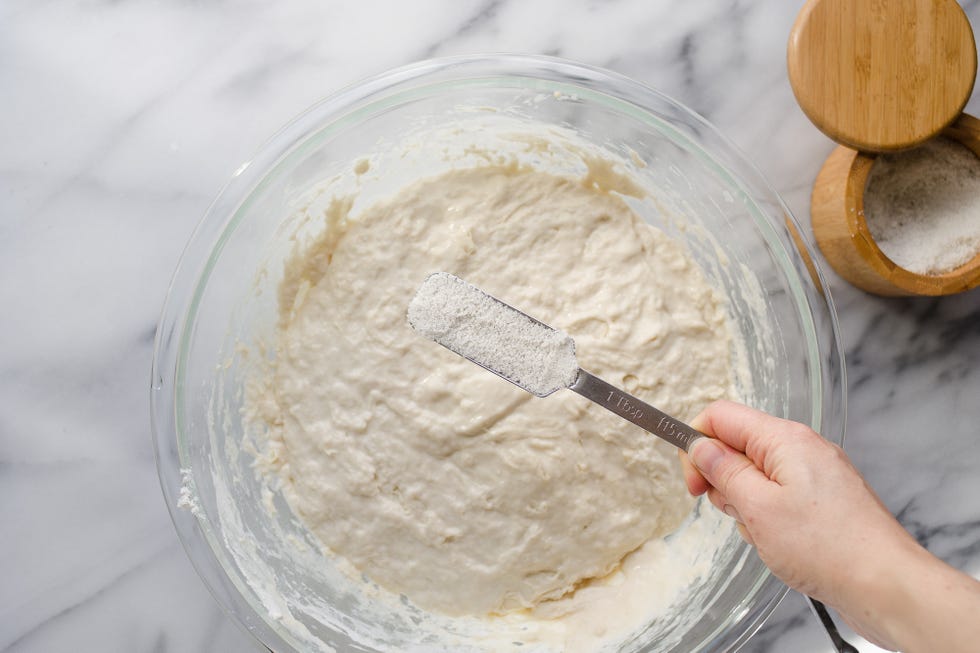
(896, 597)
(879, 590)
(917, 603)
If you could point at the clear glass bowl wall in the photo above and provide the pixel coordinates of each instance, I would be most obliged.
(711, 199)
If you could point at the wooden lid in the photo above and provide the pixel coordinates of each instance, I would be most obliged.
(882, 75)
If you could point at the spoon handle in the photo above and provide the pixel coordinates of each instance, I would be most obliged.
(639, 412)
(840, 644)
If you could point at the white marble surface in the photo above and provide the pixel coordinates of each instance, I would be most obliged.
(120, 120)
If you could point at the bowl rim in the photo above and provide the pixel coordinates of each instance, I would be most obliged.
(213, 230)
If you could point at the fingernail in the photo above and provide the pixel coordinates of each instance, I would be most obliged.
(706, 454)
(731, 512)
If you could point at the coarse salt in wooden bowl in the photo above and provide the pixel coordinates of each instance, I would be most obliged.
(843, 235)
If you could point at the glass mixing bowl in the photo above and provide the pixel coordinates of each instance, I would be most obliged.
(259, 563)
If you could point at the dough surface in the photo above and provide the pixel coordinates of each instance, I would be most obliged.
(435, 478)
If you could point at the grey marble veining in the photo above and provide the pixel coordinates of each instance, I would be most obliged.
(119, 121)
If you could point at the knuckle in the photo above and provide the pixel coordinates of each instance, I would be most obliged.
(730, 474)
(801, 432)
(839, 453)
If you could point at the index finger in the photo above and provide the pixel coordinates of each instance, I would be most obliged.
(745, 429)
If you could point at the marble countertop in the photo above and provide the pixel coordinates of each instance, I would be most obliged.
(120, 122)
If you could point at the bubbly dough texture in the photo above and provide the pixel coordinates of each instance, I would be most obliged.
(441, 481)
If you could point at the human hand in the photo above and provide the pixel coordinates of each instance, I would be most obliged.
(812, 518)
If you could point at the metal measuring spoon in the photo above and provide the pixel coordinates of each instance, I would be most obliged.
(530, 354)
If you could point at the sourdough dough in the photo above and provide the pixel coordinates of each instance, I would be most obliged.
(433, 477)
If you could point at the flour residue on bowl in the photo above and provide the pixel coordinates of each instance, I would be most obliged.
(541, 519)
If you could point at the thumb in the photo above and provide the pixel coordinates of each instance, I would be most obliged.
(727, 470)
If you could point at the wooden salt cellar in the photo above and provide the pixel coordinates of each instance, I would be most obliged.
(880, 76)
